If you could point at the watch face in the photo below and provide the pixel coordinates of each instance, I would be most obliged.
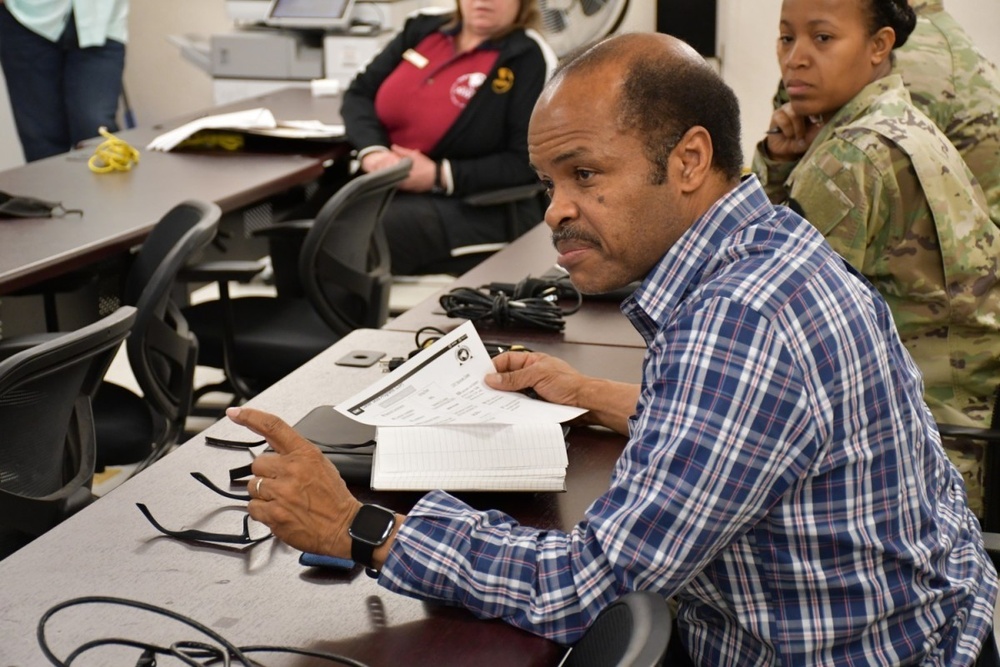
(372, 524)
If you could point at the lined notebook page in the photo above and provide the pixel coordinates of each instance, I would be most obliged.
(475, 457)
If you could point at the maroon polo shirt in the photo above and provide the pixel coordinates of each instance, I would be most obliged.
(417, 104)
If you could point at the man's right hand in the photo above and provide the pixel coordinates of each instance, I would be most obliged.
(552, 379)
(790, 135)
(609, 403)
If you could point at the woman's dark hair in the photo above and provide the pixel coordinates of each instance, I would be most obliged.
(895, 14)
(661, 99)
(528, 16)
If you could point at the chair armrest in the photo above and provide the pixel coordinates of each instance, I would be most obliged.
(240, 271)
(11, 346)
(634, 630)
(504, 195)
(293, 228)
(970, 432)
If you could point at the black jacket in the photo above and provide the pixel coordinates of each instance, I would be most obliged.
(487, 146)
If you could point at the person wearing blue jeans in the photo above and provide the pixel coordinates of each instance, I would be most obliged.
(63, 62)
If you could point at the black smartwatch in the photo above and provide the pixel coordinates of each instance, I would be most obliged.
(438, 188)
(371, 527)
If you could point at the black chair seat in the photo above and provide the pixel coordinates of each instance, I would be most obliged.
(273, 336)
(345, 280)
(126, 430)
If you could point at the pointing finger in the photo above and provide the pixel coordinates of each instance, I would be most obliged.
(282, 437)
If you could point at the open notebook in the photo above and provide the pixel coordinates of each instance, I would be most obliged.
(438, 426)
(473, 457)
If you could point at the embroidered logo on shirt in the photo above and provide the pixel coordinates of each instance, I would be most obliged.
(465, 87)
(504, 81)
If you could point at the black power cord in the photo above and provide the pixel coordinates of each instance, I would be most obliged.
(528, 287)
(533, 302)
(189, 652)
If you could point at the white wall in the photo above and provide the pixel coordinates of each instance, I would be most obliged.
(159, 81)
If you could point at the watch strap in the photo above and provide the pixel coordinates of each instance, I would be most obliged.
(438, 188)
(362, 552)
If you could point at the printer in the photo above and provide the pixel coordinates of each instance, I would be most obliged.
(385, 14)
(281, 43)
(264, 53)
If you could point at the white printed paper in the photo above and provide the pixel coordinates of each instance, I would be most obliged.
(444, 384)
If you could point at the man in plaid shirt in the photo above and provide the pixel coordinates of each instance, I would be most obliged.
(783, 479)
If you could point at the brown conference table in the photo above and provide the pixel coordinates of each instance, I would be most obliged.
(120, 208)
(598, 322)
(260, 594)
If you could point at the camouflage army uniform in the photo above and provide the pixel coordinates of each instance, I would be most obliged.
(957, 87)
(893, 196)
(954, 84)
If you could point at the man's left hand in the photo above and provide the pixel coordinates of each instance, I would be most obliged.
(296, 491)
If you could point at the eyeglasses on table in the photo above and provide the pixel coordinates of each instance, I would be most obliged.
(207, 536)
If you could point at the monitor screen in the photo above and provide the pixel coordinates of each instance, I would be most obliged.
(310, 13)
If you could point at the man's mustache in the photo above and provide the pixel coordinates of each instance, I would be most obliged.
(573, 234)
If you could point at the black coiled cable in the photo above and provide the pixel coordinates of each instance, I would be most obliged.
(541, 312)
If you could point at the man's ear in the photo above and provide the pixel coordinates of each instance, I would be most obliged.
(693, 155)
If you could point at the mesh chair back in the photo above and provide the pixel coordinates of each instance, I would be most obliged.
(633, 631)
(47, 442)
(344, 263)
(161, 350)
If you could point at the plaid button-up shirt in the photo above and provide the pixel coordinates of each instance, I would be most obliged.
(783, 479)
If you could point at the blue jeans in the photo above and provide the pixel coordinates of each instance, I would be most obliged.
(60, 94)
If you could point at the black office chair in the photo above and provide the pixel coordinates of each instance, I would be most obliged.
(284, 249)
(344, 272)
(990, 655)
(465, 258)
(990, 438)
(47, 443)
(162, 351)
(632, 631)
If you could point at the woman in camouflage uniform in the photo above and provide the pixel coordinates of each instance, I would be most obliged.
(892, 195)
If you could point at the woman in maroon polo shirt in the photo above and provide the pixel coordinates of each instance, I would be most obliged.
(453, 91)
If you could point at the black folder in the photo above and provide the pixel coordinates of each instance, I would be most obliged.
(348, 444)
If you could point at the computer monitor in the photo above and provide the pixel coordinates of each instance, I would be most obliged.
(318, 14)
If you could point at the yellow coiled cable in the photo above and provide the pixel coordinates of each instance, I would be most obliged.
(113, 154)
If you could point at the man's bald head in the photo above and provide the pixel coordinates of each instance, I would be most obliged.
(623, 50)
(665, 89)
